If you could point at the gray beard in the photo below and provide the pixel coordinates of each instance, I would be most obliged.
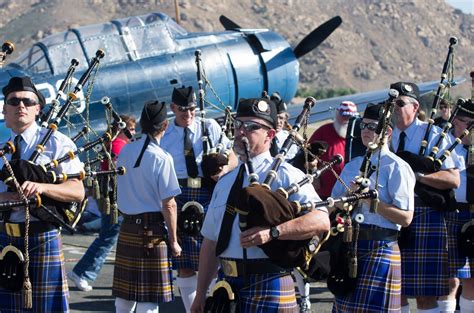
(341, 129)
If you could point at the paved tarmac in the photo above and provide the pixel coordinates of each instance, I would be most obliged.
(100, 298)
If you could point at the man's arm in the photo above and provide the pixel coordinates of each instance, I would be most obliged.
(444, 179)
(306, 226)
(208, 265)
(170, 215)
(70, 190)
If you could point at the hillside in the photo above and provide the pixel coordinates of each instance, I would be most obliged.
(379, 41)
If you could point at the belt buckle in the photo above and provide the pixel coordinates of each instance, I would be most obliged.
(13, 229)
(138, 221)
(229, 267)
(194, 182)
(471, 208)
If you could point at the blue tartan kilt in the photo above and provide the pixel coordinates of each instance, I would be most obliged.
(460, 266)
(378, 279)
(190, 245)
(47, 274)
(264, 293)
(425, 258)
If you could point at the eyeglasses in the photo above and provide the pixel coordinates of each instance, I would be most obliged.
(26, 101)
(369, 126)
(249, 126)
(184, 109)
(401, 103)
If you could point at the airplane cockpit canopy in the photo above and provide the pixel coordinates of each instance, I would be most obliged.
(123, 40)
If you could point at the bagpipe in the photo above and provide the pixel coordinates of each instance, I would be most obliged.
(59, 213)
(213, 158)
(466, 236)
(191, 216)
(7, 49)
(439, 199)
(260, 206)
(341, 246)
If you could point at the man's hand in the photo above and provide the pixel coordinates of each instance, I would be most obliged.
(30, 188)
(255, 236)
(198, 303)
(175, 249)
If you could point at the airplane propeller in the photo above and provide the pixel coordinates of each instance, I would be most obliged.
(311, 41)
(317, 36)
(228, 23)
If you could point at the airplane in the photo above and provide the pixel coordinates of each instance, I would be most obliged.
(146, 56)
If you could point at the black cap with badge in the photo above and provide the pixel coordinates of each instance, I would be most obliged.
(184, 97)
(23, 84)
(258, 107)
(466, 108)
(407, 89)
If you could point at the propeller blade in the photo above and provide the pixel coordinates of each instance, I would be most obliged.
(317, 36)
(227, 23)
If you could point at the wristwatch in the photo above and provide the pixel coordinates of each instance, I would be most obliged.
(274, 232)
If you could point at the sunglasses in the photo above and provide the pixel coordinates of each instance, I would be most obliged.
(26, 101)
(249, 126)
(184, 109)
(401, 103)
(369, 126)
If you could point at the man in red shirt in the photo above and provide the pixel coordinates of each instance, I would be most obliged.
(335, 135)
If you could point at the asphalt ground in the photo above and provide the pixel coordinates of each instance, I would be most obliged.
(100, 298)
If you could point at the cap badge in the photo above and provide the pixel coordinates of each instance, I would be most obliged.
(262, 106)
(407, 88)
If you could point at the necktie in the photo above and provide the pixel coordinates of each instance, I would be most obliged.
(229, 215)
(191, 164)
(274, 147)
(17, 154)
(401, 142)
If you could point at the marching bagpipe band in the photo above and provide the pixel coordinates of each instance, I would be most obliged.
(439, 199)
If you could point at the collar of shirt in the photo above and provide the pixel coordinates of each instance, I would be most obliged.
(180, 130)
(383, 151)
(261, 160)
(29, 133)
(409, 131)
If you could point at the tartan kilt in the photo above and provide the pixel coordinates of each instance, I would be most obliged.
(140, 277)
(425, 258)
(265, 293)
(459, 266)
(190, 245)
(47, 274)
(378, 279)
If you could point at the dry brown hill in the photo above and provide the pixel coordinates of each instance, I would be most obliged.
(379, 41)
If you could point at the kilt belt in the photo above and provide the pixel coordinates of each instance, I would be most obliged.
(237, 267)
(143, 224)
(18, 229)
(378, 234)
(190, 182)
(144, 218)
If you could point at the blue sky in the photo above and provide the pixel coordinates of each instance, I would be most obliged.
(467, 6)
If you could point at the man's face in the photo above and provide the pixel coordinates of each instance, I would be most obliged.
(258, 132)
(131, 128)
(368, 132)
(405, 111)
(20, 110)
(183, 118)
(342, 119)
(282, 118)
(460, 123)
